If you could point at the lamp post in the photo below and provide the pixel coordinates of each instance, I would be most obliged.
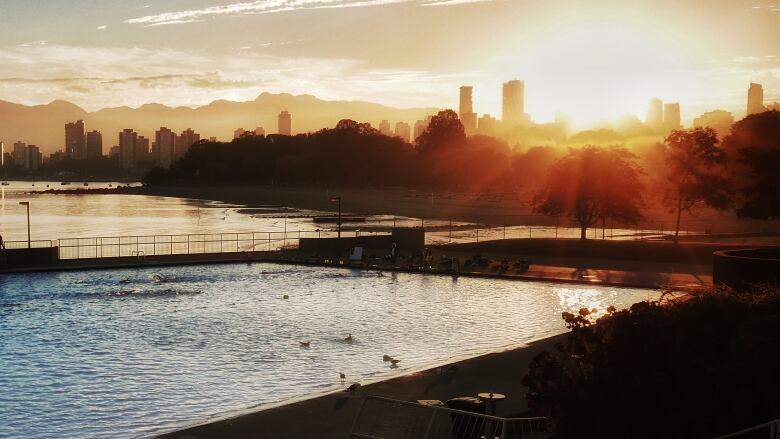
(338, 199)
(27, 203)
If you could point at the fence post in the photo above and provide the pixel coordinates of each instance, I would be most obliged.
(188, 244)
(477, 235)
(269, 241)
(450, 230)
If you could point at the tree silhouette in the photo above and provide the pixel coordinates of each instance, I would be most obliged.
(444, 131)
(753, 147)
(592, 184)
(695, 172)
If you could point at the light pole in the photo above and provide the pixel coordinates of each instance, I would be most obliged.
(338, 199)
(27, 203)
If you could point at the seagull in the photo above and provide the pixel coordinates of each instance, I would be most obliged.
(305, 344)
(353, 387)
(285, 296)
(386, 358)
(342, 376)
(349, 338)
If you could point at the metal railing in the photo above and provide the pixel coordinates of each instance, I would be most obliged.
(41, 243)
(769, 429)
(155, 245)
(384, 418)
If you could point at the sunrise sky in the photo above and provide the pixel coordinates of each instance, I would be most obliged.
(591, 60)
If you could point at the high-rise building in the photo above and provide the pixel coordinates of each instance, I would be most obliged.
(141, 152)
(184, 141)
(75, 140)
(94, 144)
(285, 123)
(259, 131)
(466, 109)
(384, 128)
(239, 132)
(487, 125)
(513, 108)
(755, 99)
(719, 120)
(164, 147)
(32, 158)
(19, 153)
(672, 116)
(127, 141)
(655, 114)
(404, 131)
(421, 125)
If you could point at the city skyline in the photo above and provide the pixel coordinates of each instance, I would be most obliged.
(114, 58)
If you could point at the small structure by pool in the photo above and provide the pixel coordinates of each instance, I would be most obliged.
(745, 269)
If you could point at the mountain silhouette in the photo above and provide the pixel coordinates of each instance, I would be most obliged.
(43, 125)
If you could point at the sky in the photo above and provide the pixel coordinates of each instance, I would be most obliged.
(591, 60)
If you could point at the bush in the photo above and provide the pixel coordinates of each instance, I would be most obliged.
(693, 367)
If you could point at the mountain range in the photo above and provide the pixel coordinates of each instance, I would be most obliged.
(44, 125)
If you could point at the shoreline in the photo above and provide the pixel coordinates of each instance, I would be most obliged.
(333, 411)
(538, 272)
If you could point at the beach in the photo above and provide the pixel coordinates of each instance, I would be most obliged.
(331, 415)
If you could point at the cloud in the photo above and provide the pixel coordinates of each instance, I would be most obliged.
(102, 27)
(769, 7)
(272, 6)
(99, 77)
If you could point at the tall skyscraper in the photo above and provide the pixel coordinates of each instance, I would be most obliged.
(655, 114)
(384, 128)
(19, 152)
(75, 140)
(755, 99)
(94, 144)
(672, 116)
(164, 146)
(285, 123)
(421, 125)
(513, 109)
(466, 109)
(32, 158)
(186, 139)
(127, 141)
(404, 131)
(141, 151)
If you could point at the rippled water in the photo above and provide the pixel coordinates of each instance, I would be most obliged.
(128, 353)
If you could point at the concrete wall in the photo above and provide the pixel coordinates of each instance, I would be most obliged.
(28, 257)
(405, 239)
(742, 269)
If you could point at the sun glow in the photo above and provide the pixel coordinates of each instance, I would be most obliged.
(600, 70)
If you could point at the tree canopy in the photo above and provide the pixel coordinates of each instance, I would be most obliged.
(695, 172)
(592, 184)
(753, 147)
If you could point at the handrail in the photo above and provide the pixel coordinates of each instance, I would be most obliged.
(776, 422)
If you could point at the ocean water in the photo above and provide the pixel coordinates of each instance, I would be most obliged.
(136, 352)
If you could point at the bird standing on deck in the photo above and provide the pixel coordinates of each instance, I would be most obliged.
(342, 376)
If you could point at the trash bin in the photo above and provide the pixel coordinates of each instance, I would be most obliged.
(465, 426)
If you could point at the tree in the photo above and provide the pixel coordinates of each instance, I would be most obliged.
(592, 184)
(444, 131)
(695, 172)
(753, 147)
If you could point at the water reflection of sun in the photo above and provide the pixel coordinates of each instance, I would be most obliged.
(573, 299)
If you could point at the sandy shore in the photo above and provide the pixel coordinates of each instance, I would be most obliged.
(331, 416)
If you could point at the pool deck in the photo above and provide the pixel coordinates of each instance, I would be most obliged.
(561, 270)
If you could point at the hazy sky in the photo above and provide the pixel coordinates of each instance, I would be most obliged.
(588, 59)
